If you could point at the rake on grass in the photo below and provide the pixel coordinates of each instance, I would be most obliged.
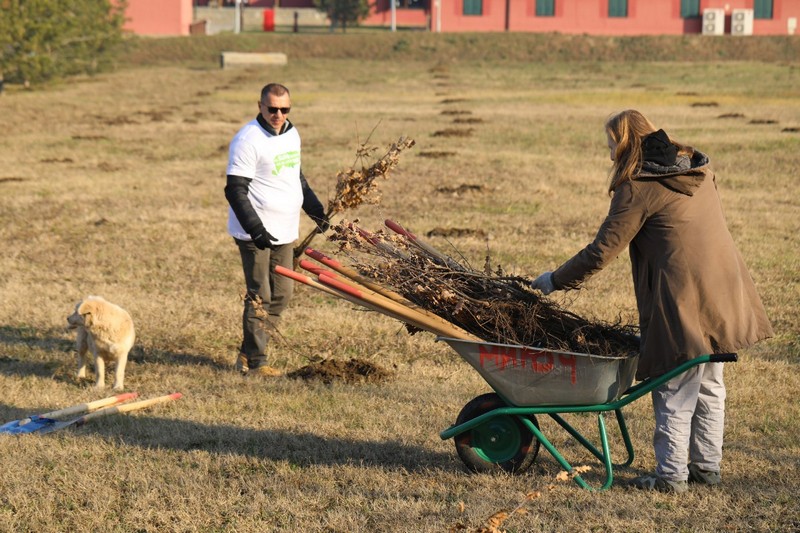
(49, 422)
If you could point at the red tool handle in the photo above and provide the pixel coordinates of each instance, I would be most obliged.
(85, 407)
(129, 407)
(397, 228)
(311, 267)
(302, 278)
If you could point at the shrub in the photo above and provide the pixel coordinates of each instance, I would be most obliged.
(344, 12)
(43, 39)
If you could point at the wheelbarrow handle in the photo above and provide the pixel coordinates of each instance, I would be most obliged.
(723, 358)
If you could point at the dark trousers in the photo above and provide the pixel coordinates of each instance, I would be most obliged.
(274, 291)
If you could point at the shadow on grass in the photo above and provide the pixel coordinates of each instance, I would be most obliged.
(298, 448)
(17, 343)
(152, 355)
(22, 348)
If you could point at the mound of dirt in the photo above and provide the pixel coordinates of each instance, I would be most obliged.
(456, 232)
(352, 371)
(453, 132)
(463, 188)
(434, 154)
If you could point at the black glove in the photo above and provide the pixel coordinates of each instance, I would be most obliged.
(263, 240)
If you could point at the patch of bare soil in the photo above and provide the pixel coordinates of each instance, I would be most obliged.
(434, 154)
(89, 138)
(463, 188)
(456, 232)
(453, 132)
(154, 116)
(352, 371)
(118, 121)
(105, 166)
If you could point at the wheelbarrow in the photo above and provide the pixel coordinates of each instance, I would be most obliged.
(500, 431)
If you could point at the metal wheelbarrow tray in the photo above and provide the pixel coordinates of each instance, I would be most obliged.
(499, 431)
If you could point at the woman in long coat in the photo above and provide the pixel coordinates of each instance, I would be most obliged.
(693, 291)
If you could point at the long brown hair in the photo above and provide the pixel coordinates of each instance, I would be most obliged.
(627, 129)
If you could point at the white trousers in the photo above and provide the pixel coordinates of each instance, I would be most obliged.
(690, 419)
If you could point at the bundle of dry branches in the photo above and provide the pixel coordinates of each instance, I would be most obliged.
(356, 187)
(489, 304)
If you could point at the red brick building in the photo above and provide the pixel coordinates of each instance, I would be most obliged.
(618, 17)
(159, 17)
(594, 17)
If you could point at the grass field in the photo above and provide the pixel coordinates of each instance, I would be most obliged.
(113, 186)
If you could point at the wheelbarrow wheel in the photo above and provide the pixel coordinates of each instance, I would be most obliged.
(502, 443)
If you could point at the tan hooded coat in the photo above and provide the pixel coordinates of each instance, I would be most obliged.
(693, 291)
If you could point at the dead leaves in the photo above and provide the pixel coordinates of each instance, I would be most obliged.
(487, 303)
(355, 187)
(493, 523)
(567, 476)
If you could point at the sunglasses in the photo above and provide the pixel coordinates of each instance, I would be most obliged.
(274, 110)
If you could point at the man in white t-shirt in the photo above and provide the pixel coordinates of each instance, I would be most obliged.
(266, 191)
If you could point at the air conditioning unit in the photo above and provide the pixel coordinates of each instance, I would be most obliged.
(742, 22)
(714, 21)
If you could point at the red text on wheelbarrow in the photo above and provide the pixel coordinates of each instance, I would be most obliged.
(539, 361)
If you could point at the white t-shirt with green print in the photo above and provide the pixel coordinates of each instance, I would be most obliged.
(272, 162)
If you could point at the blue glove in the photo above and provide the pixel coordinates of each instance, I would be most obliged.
(544, 283)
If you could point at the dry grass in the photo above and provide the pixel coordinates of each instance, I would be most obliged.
(113, 186)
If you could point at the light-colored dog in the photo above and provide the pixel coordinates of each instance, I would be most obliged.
(107, 330)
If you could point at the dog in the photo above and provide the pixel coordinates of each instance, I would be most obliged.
(107, 330)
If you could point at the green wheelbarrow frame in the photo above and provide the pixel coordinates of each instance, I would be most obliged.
(555, 411)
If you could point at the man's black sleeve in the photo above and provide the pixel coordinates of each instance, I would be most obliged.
(236, 194)
(311, 204)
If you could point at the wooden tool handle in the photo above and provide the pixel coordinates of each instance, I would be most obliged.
(84, 407)
(422, 245)
(302, 278)
(355, 276)
(428, 322)
(129, 407)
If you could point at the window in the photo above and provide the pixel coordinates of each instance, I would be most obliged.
(473, 7)
(617, 8)
(409, 4)
(762, 9)
(545, 8)
(690, 9)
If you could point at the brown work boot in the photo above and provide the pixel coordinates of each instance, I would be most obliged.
(241, 364)
(265, 371)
